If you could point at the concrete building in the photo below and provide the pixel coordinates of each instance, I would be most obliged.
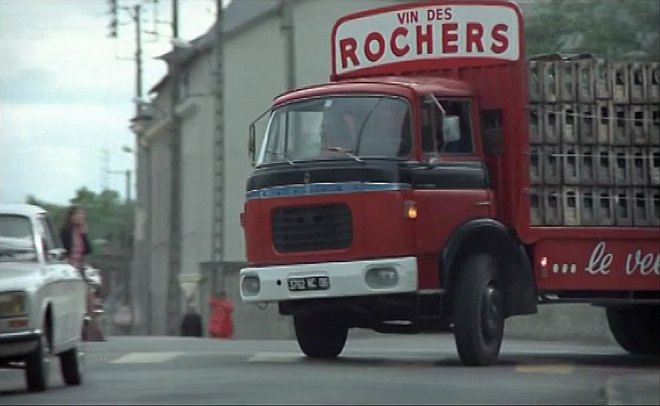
(269, 47)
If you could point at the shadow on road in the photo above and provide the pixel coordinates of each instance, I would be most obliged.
(589, 360)
(37, 395)
(577, 360)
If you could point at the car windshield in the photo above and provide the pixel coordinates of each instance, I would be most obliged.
(341, 127)
(16, 239)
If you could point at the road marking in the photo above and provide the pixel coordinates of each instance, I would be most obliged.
(276, 357)
(545, 368)
(409, 363)
(146, 357)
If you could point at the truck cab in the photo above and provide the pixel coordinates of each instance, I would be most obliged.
(397, 148)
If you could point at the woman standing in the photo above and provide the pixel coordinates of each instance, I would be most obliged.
(74, 238)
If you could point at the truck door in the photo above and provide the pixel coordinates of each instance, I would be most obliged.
(451, 185)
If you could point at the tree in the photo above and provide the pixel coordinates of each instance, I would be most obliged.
(109, 219)
(612, 29)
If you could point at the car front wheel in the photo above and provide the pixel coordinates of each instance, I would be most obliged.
(71, 365)
(37, 366)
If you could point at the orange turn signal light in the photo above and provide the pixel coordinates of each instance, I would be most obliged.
(410, 209)
(18, 323)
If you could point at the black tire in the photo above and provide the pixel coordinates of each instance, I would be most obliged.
(37, 366)
(636, 328)
(478, 311)
(319, 337)
(70, 366)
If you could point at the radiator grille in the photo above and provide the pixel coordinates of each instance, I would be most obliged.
(312, 228)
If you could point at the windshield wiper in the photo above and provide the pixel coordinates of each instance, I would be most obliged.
(287, 160)
(343, 151)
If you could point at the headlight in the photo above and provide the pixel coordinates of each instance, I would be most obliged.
(12, 304)
(251, 285)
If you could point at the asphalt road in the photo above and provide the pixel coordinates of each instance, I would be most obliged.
(387, 369)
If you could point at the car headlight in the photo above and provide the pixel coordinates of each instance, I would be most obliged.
(13, 304)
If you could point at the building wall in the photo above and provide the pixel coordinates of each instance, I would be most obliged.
(313, 21)
(160, 230)
(196, 120)
(254, 74)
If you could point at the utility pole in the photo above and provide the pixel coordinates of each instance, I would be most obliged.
(128, 185)
(287, 26)
(138, 55)
(173, 286)
(218, 141)
(175, 18)
(105, 168)
(141, 266)
(114, 23)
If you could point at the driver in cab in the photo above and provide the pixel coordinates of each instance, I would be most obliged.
(339, 131)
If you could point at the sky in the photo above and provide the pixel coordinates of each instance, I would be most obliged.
(66, 91)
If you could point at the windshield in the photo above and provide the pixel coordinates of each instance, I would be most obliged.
(16, 241)
(341, 127)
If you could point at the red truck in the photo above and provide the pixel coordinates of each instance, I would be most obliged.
(412, 193)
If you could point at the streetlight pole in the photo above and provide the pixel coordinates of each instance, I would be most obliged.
(128, 185)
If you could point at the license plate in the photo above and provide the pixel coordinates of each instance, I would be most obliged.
(309, 283)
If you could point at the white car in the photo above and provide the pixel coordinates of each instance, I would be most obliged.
(42, 298)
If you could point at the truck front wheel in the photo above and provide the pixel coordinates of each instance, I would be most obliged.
(319, 336)
(478, 311)
(636, 328)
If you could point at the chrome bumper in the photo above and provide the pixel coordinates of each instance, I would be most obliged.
(18, 344)
(346, 279)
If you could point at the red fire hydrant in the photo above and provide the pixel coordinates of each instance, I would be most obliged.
(221, 324)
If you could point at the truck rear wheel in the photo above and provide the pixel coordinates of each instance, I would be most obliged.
(478, 311)
(319, 336)
(636, 328)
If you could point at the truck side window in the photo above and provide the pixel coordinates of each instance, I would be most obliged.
(432, 127)
(491, 131)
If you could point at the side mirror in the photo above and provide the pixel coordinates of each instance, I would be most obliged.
(252, 144)
(451, 129)
(56, 254)
(252, 138)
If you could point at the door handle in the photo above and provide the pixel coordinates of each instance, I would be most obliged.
(486, 203)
